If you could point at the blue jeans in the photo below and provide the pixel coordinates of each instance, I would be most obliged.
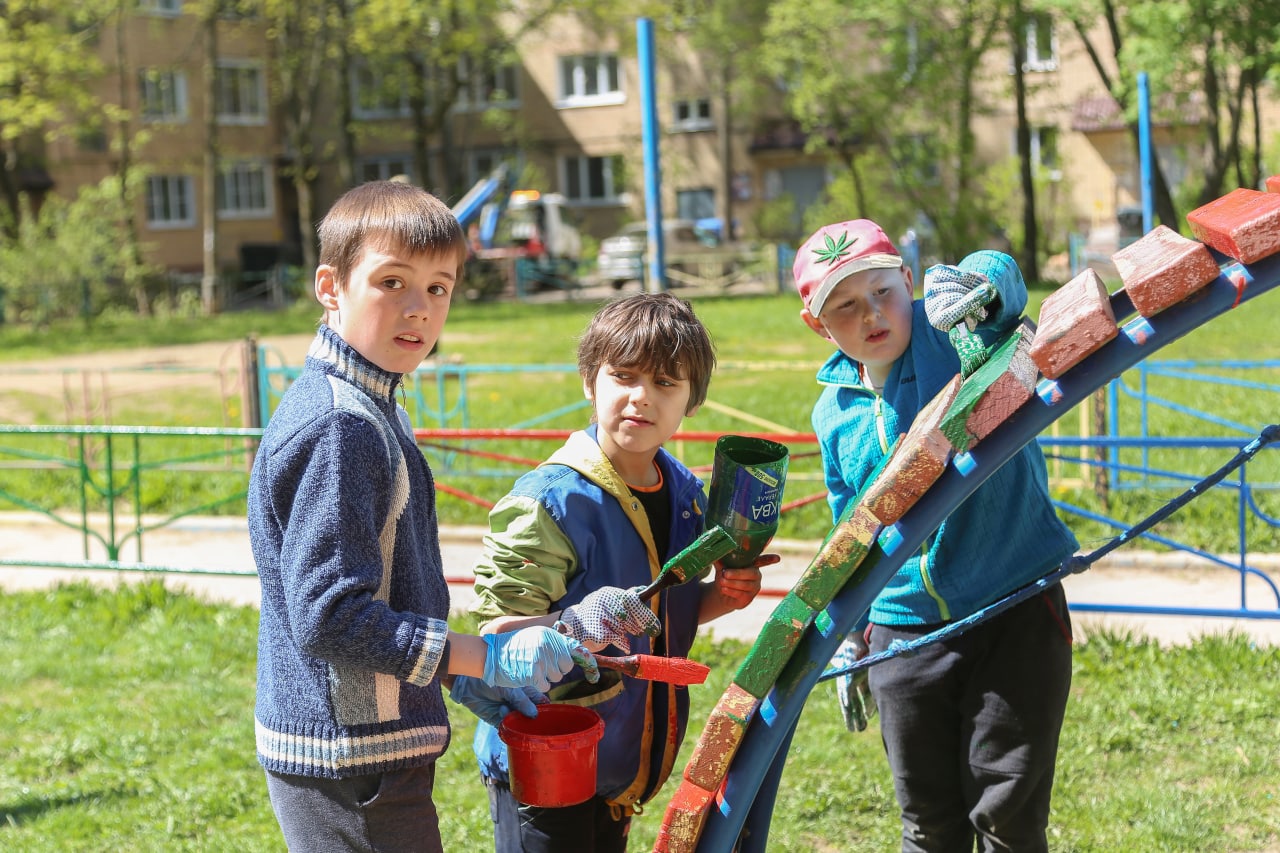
(970, 727)
(380, 813)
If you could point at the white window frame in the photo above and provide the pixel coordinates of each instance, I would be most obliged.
(479, 84)
(161, 8)
(166, 88)
(171, 202)
(575, 177)
(697, 115)
(1037, 58)
(384, 167)
(365, 80)
(244, 83)
(589, 80)
(245, 190)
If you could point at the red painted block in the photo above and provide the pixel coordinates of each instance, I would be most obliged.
(1273, 184)
(1076, 320)
(1162, 268)
(918, 461)
(1244, 224)
(726, 726)
(684, 818)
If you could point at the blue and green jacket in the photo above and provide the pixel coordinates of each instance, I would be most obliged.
(1005, 535)
(567, 528)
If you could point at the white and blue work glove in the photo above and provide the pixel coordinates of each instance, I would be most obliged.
(610, 615)
(955, 301)
(857, 705)
(534, 657)
(492, 704)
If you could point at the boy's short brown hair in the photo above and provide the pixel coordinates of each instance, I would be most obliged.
(653, 331)
(387, 214)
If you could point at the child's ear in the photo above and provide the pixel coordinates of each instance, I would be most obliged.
(693, 410)
(910, 280)
(814, 323)
(326, 287)
(587, 390)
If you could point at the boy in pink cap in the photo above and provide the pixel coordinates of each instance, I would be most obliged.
(970, 725)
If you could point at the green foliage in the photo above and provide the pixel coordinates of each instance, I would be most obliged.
(127, 723)
(70, 260)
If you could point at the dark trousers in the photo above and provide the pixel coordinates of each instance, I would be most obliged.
(381, 813)
(585, 828)
(970, 726)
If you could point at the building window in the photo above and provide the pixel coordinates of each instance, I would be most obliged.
(589, 80)
(1042, 44)
(480, 163)
(163, 95)
(244, 190)
(385, 168)
(169, 8)
(241, 93)
(593, 180)
(1044, 152)
(170, 201)
(696, 204)
(692, 114)
(486, 87)
(378, 94)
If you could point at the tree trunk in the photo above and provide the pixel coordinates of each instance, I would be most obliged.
(724, 140)
(209, 198)
(1030, 230)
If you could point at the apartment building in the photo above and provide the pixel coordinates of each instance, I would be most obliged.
(571, 113)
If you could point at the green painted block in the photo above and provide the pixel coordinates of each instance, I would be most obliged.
(838, 559)
(774, 646)
(955, 423)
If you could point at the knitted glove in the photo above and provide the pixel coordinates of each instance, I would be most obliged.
(955, 301)
(534, 657)
(492, 704)
(857, 705)
(609, 616)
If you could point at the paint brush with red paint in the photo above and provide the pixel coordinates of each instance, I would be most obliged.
(657, 668)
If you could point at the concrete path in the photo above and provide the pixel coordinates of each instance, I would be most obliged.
(201, 547)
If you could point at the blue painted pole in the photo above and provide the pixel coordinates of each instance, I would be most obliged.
(657, 280)
(747, 797)
(1144, 150)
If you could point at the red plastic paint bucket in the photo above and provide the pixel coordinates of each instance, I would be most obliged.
(552, 757)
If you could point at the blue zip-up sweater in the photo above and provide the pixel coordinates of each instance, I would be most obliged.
(1005, 535)
(567, 528)
(354, 603)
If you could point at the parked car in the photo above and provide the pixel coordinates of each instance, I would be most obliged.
(623, 256)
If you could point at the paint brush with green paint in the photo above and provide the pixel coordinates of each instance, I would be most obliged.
(691, 563)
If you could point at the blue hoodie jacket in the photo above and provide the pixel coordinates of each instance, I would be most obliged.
(1005, 535)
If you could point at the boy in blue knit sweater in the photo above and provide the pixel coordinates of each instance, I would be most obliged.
(353, 641)
(970, 725)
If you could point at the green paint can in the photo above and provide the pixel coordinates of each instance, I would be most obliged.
(747, 476)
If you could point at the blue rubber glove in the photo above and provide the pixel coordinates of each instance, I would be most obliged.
(610, 615)
(492, 704)
(534, 657)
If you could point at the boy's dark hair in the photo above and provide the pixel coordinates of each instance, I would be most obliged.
(388, 214)
(653, 331)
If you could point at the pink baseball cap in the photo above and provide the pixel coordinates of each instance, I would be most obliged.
(836, 252)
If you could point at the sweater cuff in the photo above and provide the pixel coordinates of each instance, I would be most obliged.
(426, 666)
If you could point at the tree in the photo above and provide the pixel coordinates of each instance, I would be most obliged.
(1029, 261)
(877, 83)
(46, 71)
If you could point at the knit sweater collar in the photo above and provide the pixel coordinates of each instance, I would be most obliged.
(331, 354)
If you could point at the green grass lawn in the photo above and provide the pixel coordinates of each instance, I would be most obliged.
(126, 723)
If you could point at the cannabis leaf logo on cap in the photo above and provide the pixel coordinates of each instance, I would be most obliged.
(834, 250)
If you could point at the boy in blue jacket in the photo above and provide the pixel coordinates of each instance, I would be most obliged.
(606, 511)
(353, 642)
(970, 725)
